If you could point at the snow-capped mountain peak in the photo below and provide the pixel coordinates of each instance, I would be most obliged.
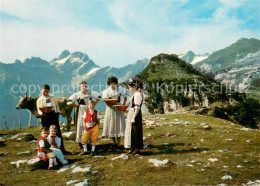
(192, 58)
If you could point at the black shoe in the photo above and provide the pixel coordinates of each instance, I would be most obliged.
(93, 153)
(56, 167)
(114, 147)
(67, 153)
(80, 146)
(130, 151)
(84, 153)
(118, 147)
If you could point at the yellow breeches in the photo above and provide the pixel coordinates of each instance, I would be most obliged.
(94, 135)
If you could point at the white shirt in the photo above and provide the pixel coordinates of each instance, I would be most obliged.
(110, 93)
(80, 95)
(90, 124)
(91, 111)
(138, 98)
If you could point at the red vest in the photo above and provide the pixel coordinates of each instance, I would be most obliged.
(46, 145)
(90, 116)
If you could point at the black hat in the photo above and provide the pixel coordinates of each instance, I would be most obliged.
(135, 82)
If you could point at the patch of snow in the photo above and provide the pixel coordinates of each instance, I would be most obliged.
(79, 169)
(92, 71)
(103, 157)
(198, 59)
(159, 163)
(71, 182)
(17, 163)
(62, 61)
(122, 156)
(66, 167)
(229, 139)
(227, 177)
(244, 129)
(24, 153)
(69, 134)
(213, 159)
(109, 69)
(33, 161)
(84, 183)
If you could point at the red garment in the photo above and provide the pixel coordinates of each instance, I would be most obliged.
(40, 149)
(53, 140)
(91, 118)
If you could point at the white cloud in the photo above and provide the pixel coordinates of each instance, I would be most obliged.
(222, 13)
(36, 10)
(147, 29)
(105, 48)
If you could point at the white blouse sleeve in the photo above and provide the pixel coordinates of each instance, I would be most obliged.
(41, 143)
(84, 116)
(105, 94)
(98, 115)
(95, 95)
(138, 98)
(73, 97)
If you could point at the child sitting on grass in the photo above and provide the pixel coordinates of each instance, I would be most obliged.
(91, 123)
(44, 151)
(55, 143)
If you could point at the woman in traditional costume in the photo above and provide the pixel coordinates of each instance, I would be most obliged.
(134, 127)
(114, 120)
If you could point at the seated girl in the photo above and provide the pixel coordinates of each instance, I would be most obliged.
(55, 143)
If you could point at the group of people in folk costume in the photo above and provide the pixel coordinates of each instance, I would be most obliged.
(87, 120)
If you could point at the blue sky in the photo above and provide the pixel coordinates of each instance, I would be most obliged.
(117, 33)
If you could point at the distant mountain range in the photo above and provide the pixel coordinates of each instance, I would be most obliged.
(67, 70)
(237, 65)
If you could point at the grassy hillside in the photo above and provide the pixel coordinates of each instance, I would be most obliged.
(169, 67)
(168, 78)
(189, 147)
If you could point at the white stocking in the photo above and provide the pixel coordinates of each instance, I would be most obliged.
(55, 161)
(50, 162)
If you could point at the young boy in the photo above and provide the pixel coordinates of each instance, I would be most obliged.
(44, 151)
(91, 123)
(55, 143)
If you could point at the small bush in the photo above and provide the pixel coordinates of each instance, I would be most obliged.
(246, 113)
